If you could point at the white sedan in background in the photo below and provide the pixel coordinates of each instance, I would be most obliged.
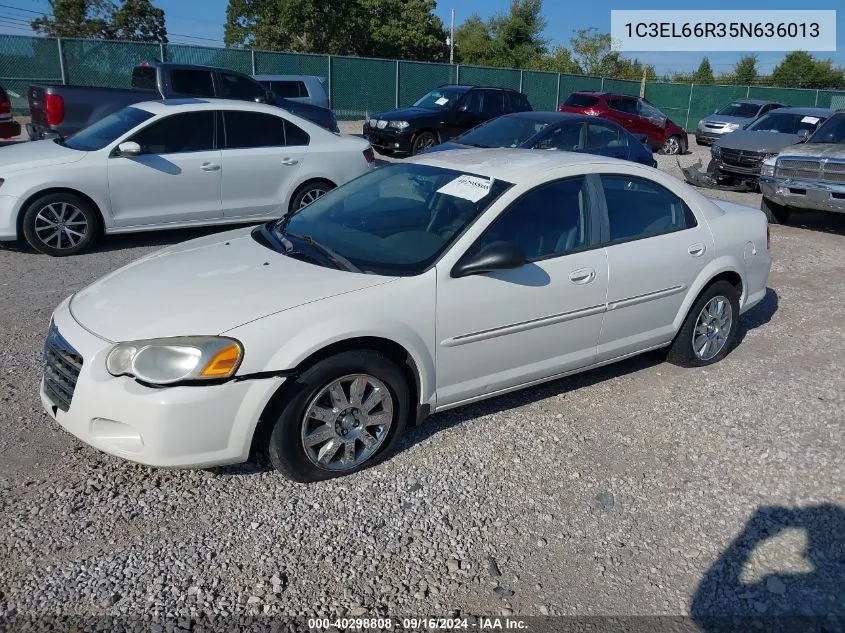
(421, 286)
(170, 164)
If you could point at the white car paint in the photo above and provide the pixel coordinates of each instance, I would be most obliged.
(155, 191)
(468, 338)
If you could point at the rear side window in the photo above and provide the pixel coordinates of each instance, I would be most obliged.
(241, 88)
(493, 103)
(253, 129)
(144, 78)
(178, 134)
(294, 135)
(623, 105)
(193, 83)
(580, 101)
(289, 89)
(638, 208)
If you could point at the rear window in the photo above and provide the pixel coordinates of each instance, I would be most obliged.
(288, 89)
(144, 78)
(581, 101)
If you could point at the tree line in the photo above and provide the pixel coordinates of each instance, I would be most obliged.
(410, 30)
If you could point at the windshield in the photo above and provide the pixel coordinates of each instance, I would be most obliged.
(396, 220)
(505, 131)
(105, 131)
(441, 98)
(742, 110)
(785, 123)
(833, 131)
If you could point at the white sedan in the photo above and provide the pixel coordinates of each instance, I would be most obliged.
(170, 164)
(415, 288)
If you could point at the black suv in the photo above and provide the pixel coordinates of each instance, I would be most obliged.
(439, 116)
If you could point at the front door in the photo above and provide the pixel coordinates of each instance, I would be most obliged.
(500, 330)
(177, 177)
(261, 157)
(656, 249)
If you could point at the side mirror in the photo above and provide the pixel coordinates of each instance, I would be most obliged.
(803, 135)
(129, 149)
(493, 257)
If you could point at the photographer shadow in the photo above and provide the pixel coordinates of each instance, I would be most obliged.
(810, 600)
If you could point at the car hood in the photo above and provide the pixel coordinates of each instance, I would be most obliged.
(767, 142)
(206, 286)
(724, 118)
(816, 150)
(409, 114)
(34, 154)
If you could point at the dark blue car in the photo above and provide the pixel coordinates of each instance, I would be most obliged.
(555, 131)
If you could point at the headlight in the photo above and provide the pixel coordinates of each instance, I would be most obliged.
(166, 361)
(715, 151)
(399, 125)
(730, 127)
(767, 168)
(701, 124)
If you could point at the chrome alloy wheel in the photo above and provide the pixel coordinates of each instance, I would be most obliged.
(347, 422)
(712, 328)
(311, 195)
(61, 225)
(672, 146)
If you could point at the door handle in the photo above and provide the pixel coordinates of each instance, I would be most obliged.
(697, 250)
(289, 161)
(582, 276)
(209, 166)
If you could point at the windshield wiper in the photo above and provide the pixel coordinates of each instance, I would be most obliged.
(337, 259)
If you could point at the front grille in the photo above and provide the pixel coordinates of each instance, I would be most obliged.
(813, 169)
(714, 126)
(62, 364)
(741, 158)
(834, 172)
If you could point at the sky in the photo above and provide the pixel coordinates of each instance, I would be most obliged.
(201, 22)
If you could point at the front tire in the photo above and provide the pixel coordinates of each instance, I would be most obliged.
(775, 213)
(672, 146)
(424, 141)
(341, 415)
(60, 224)
(710, 328)
(309, 192)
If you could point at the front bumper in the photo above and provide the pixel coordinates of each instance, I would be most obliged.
(180, 427)
(389, 139)
(804, 194)
(747, 173)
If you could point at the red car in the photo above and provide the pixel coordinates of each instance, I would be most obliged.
(635, 114)
(9, 128)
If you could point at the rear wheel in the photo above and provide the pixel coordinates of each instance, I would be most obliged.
(775, 213)
(424, 141)
(341, 415)
(60, 224)
(710, 328)
(309, 192)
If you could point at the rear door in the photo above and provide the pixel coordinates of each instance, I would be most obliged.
(623, 110)
(493, 105)
(262, 154)
(176, 178)
(652, 123)
(467, 114)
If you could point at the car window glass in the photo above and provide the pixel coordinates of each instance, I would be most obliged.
(241, 88)
(295, 135)
(289, 89)
(628, 106)
(742, 110)
(786, 122)
(253, 129)
(493, 103)
(194, 83)
(581, 101)
(473, 101)
(601, 136)
(108, 129)
(649, 111)
(567, 137)
(177, 134)
(506, 131)
(639, 208)
(833, 130)
(550, 220)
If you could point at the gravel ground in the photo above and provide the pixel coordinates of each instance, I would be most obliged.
(636, 489)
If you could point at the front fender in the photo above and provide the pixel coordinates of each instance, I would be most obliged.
(401, 312)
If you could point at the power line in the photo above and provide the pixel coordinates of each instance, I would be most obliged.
(8, 6)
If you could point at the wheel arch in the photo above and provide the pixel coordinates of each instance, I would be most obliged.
(427, 129)
(310, 178)
(719, 270)
(53, 190)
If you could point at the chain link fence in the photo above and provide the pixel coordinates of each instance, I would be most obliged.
(357, 86)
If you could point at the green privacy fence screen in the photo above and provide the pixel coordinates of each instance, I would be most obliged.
(358, 87)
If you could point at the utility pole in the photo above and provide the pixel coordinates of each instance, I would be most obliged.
(452, 40)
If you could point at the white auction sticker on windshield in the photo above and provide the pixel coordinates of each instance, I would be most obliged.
(810, 119)
(470, 188)
(442, 101)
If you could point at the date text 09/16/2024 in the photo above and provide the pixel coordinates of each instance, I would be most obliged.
(417, 623)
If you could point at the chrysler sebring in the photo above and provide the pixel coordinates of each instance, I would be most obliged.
(421, 286)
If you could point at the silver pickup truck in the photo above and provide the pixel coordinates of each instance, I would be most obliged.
(807, 177)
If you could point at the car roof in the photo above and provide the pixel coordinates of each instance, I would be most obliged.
(285, 77)
(825, 112)
(467, 88)
(164, 106)
(601, 93)
(755, 101)
(510, 165)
